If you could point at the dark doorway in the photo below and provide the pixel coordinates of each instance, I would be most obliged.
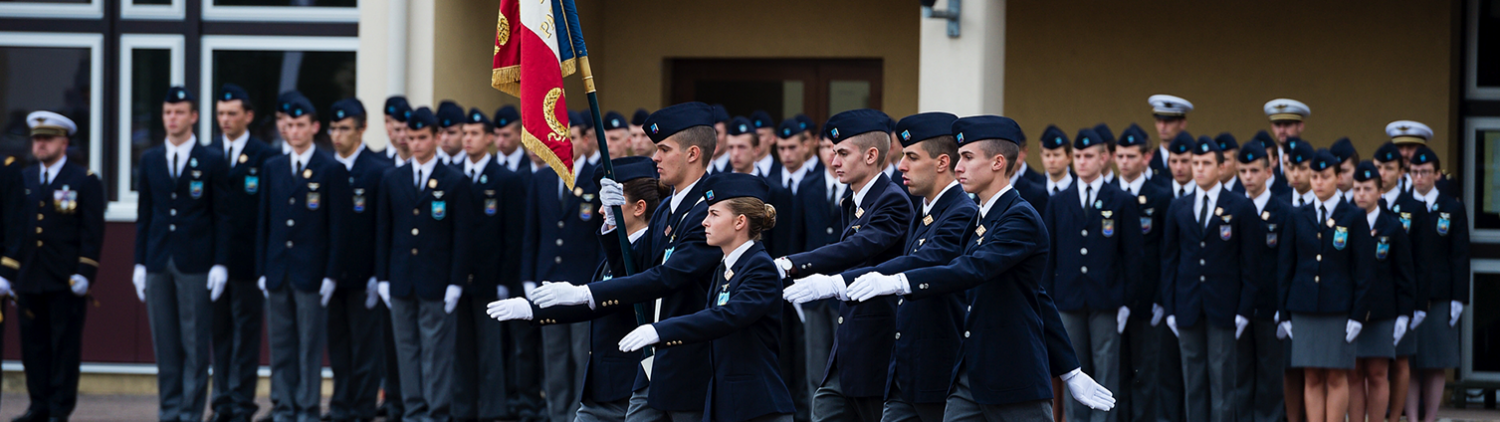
(782, 87)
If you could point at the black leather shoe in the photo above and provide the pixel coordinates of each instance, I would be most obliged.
(57, 419)
(30, 416)
(222, 417)
(268, 418)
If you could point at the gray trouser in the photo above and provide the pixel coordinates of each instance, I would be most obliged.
(830, 403)
(424, 349)
(900, 410)
(1156, 394)
(640, 411)
(181, 330)
(1208, 365)
(237, 320)
(1244, 375)
(298, 327)
(565, 353)
(819, 330)
(356, 352)
(390, 370)
(1268, 403)
(480, 366)
(592, 411)
(1096, 341)
(962, 407)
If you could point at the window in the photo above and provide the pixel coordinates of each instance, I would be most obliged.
(149, 64)
(782, 87)
(1483, 47)
(153, 9)
(55, 72)
(282, 10)
(67, 9)
(1483, 193)
(1481, 357)
(324, 71)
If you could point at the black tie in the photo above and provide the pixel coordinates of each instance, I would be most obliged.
(1055, 189)
(1203, 215)
(1322, 213)
(173, 170)
(44, 176)
(229, 152)
(299, 168)
(471, 174)
(1088, 196)
(1181, 191)
(419, 179)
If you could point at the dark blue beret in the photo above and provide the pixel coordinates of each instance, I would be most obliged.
(1206, 145)
(300, 106)
(923, 126)
(788, 128)
(1226, 142)
(284, 101)
(449, 113)
(1298, 150)
(476, 116)
(231, 92)
(979, 128)
(346, 108)
(1251, 151)
(1343, 149)
(614, 120)
(586, 119)
(1054, 138)
(847, 124)
(639, 119)
(806, 122)
(1105, 134)
(628, 168)
(1388, 152)
(739, 126)
(1366, 171)
(178, 94)
(1087, 138)
(1324, 160)
(421, 118)
(1264, 138)
(1133, 136)
(575, 119)
(1183, 143)
(761, 119)
(1424, 155)
(397, 107)
(736, 185)
(721, 114)
(507, 115)
(674, 118)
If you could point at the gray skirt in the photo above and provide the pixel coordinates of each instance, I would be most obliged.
(1437, 342)
(1408, 344)
(1376, 340)
(1318, 341)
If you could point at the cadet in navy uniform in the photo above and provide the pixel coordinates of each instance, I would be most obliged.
(1261, 354)
(58, 264)
(237, 320)
(1156, 386)
(450, 141)
(1325, 271)
(523, 380)
(676, 376)
(1003, 369)
(495, 273)
(1208, 285)
(1277, 181)
(355, 334)
(875, 212)
(1094, 230)
(397, 111)
(1179, 180)
(1231, 174)
(1391, 296)
(1171, 120)
(182, 241)
(1343, 149)
(1390, 167)
(742, 321)
(1408, 136)
(422, 289)
(818, 222)
(1057, 160)
(1438, 225)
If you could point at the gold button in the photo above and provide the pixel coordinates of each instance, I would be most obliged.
(1202, 262)
(841, 320)
(1317, 279)
(898, 336)
(38, 243)
(414, 232)
(291, 201)
(413, 251)
(1202, 279)
(559, 242)
(1320, 236)
(38, 230)
(41, 203)
(172, 212)
(171, 227)
(39, 217)
(415, 211)
(1085, 233)
(288, 244)
(966, 334)
(1083, 251)
(290, 223)
(1319, 257)
(1084, 270)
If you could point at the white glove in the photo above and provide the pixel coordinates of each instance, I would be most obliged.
(1240, 322)
(1351, 330)
(1401, 322)
(5, 288)
(1157, 312)
(79, 285)
(372, 296)
(781, 268)
(1121, 318)
(872, 285)
(561, 294)
(1172, 323)
(261, 283)
(325, 292)
(1284, 330)
(1456, 311)
(815, 287)
(502, 292)
(609, 219)
(509, 309)
(1417, 317)
(527, 287)
(384, 289)
(218, 276)
(639, 338)
(611, 193)
(138, 278)
(1276, 318)
(1086, 391)
(450, 298)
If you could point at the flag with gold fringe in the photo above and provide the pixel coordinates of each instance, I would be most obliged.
(537, 43)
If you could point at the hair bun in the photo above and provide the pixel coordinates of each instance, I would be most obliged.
(770, 216)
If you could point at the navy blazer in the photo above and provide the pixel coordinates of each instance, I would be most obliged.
(1207, 272)
(357, 262)
(299, 226)
(66, 237)
(1005, 346)
(245, 184)
(820, 222)
(1266, 231)
(1440, 247)
(780, 240)
(1326, 266)
(1092, 249)
(498, 231)
(1393, 288)
(422, 251)
(742, 322)
(1033, 193)
(683, 263)
(1151, 202)
(13, 217)
(185, 219)
(559, 232)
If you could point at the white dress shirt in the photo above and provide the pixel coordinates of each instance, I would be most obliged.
(679, 194)
(349, 162)
(1133, 188)
(180, 153)
(513, 160)
(1089, 190)
(1060, 185)
(1213, 201)
(232, 147)
(984, 210)
(1261, 201)
(50, 172)
(927, 206)
(299, 161)
(421, 171)
(1179, 190)
(472, 169)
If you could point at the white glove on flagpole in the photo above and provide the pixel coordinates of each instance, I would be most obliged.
(138, 278)
(639, 338)
(1086, 391)
(509, 309)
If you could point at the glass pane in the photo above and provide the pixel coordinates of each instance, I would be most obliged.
(45, 1)
(1486, 197)
(847, 95)
(318, 3)
(778, 98)
(161, 2)
(1487, 62)
(322, 76)
(151, 75)
(1486, 352)
(54, 79)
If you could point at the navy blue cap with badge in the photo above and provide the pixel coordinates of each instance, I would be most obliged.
(179, 94)
(1299, 151)
(575, 120)
(1054, 138)
(506, 115)
(1388, 152)
(1424, 155)
(736, 185)
(628, 168)
(1133, 136)
(1324, 160)
(847, 124)
(232, 92)
(807, 122)
(984, 127)
(1366, 171)
(614, 120)
(1205, 145)
(1183, 143)
(639, 119)
(788, 128)
(1108, 136)
(421, 118)
(721, 114)
(586, 119)
(449, 114)
(923, 126)
(284, 101)
(675, 118)
(761, 119)
(301, 106)
(1264, 138)
(1251, 151)
(397, 107)
(1226, 142)
(1343, 149)
(476, 116)
(738, 126)
(1087, 138)
(347, 108)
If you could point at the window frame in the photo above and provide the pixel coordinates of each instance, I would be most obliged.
(95, 43)
(94, 9)
(123, 208)
(175, 11)
(1471, 177)
(212, 43)
(1466, 325)
(322, 14)
(1471, 59)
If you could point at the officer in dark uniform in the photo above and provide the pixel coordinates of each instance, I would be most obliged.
(1261, 355)
(423, 288)
(1170, 113)
(58, 263)
(237, 319)
(182, 242)
(1408, 136)
(1156, 376)
(523, 341)
(355, 325)
(1438, 225)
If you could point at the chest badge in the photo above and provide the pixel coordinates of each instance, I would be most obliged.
(432, 183)
(65, 200)
(314, 201)
(484, 178)
(1107, 227)
(1382, 247)
(1225, 232)
(359, 200)
(1145, 225)
(1340, 237)
(1406, 221)
(244, 158)
(490, 206)
(306, 173)
(1443, 223)
(439, 209)
(859, 212)
(252, 184)
(927, 221)
(195, 189)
